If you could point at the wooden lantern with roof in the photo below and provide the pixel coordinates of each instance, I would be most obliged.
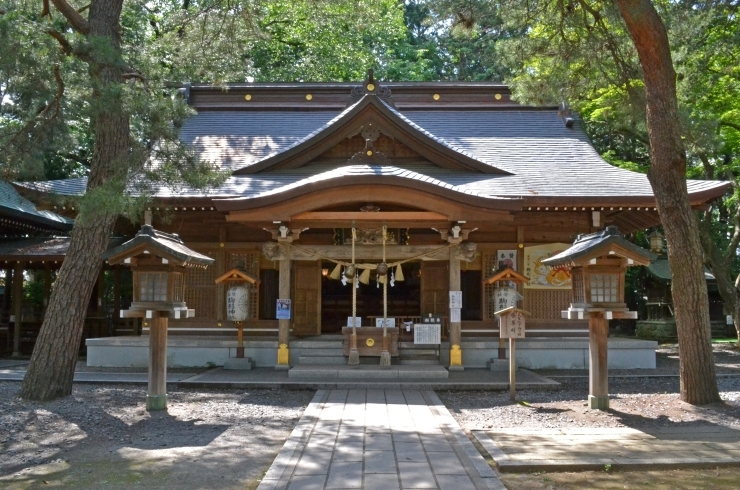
(598, 263)
(158, 261)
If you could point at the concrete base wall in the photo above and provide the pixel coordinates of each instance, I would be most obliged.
(562, 353)
(181, 352)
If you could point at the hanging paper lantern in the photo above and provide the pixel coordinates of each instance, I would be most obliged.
(505, 297)
(237, 304)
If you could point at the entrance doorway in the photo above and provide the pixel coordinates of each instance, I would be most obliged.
(336, 298)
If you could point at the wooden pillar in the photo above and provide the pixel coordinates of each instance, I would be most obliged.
(17, 307)
(156, 397)
(221, 266)
(598, 383)
(512, 369)
(116, 298)
(455, 334)
(283, 355)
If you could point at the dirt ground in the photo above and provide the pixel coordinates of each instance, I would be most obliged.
(102, 437)
(636, 401)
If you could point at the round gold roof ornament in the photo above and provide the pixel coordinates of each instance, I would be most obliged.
(369, 153)
(370, 87)
(248, 97)
(497, 96)
(309, 96)
(435, 96)
(370, 342)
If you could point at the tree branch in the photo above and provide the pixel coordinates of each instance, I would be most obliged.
(734, 126)
(77, 21)
(46, 10)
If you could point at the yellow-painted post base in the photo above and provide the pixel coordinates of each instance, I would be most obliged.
(455, 358)
(283, 357)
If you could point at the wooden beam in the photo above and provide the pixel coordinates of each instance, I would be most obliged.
(370, 252)
(378, 217)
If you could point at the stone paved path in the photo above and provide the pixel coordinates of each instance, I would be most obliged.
(378, 439)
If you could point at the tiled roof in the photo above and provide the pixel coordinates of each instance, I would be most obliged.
(159, 241)
(14, 205)
(545, 159)
(42, 248)
(588, 244)
(661, 269)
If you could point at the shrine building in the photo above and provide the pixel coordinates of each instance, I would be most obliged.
(441, 182)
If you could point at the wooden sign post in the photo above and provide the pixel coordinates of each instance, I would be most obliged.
(511, 319)
(512, 327)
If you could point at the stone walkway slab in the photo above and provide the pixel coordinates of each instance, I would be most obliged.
(683, 446)
(378, 439)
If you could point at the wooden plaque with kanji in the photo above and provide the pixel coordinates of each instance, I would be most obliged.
(512, 324)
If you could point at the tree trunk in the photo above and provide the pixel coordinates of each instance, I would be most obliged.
(667, 176)
(54, 356)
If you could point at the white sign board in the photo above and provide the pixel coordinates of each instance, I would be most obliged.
(455, 315)
(512, 325)
(356, 323)
(389, 322)
(455, 299)
(427, 333)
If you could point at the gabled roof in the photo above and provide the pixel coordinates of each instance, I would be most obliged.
(155, 242)
(606, 241)
(370, 110)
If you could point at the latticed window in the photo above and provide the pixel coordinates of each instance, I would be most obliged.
(604, 288)
(153, 286)
(177, 287)
(579, 290)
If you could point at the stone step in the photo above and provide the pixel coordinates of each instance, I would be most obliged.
(413, 346)
(364, 372)
(322, 359)
(320, 352)
(239, 363)
(498, 364)
(417, 352)
(419, 362)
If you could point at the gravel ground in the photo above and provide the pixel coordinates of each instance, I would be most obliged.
(636, 400)
(104, 437)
